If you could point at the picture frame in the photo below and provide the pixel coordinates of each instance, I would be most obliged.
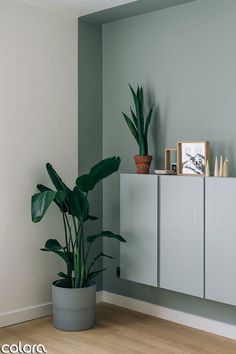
(170, 158)
(192, 157)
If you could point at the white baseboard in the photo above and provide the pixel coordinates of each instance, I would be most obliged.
(31, 313)
(194, 321)
(201, 323)
(99, 296)
(25, 314)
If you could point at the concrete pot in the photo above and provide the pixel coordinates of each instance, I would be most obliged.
(74, 309)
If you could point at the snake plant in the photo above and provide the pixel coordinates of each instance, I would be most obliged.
(138, 124)
(74, 207)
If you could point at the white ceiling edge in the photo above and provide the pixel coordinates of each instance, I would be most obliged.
(76, 8)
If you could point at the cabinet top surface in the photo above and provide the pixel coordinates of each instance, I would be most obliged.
(175, 176)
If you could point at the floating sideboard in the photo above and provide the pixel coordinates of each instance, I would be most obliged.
(220, 240)
(181, 234)
(181, 215)
(139, 222)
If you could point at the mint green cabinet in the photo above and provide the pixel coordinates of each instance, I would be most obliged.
(182, 234)
(220, 240)
(138, 224)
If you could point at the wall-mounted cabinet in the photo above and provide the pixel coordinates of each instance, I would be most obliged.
(139, 223)
(220, 229)
(182, 234)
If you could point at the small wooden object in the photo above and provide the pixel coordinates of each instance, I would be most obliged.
(216, 172)
(208, 169)
(169, 158)
(221, 167)
(225, 168)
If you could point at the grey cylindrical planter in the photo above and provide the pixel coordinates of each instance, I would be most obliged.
(74, 309)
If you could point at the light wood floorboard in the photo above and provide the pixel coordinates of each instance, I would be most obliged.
(119, 331)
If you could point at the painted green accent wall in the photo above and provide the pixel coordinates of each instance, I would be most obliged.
(185, 58)
(90, 115)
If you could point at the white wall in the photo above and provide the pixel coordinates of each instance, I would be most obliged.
(38, 123)
(79, 7)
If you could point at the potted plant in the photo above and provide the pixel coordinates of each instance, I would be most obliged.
(74, 294)
(138, 126)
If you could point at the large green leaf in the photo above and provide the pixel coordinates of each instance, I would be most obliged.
(63, 275)
(140, 118)
(68, 257)
(59, 197)
(148, 121)
(134, 118)
(78, 203)
(98, 172)
(53, 244)
(63, 283)
(91, 217)
(43, 188)
(40, 202)
(99, 256)
(131, 127)
(59, 184)
(140, 101)
(92, 275)
(55, 178)
(136, 103)
(108, 234)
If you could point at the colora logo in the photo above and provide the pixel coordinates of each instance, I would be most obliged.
(23, 349)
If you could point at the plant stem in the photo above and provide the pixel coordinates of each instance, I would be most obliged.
(87, 254)
(82, 252)
(82, 277)
(77, 254)
(76, 258)
(70, 233)
(91, 265)
(66, 235)
(76, 232)
(77, 236)
(69, 270)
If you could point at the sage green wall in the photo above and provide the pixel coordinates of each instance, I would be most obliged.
(90, 116)
(185, 58)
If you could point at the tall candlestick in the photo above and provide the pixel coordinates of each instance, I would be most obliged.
(207, 169)
(221, 167)
(216, 172)
(225, 168)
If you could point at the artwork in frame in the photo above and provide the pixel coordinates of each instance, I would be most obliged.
(192, 157)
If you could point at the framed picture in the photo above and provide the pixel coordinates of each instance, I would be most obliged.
(192, 157)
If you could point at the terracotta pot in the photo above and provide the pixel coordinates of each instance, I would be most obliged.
(143, 163)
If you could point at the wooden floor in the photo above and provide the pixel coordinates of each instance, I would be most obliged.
(119, 331)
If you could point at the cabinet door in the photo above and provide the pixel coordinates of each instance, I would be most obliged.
(220, 238)
(182, 234)
(138, 218)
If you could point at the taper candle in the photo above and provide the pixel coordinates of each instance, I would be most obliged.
(216, 172)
